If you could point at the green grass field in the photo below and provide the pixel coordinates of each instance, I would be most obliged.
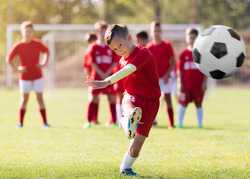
(66, 150)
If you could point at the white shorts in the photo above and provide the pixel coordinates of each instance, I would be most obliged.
(27, 86)
(170, 86)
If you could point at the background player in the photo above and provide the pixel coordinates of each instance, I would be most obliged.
(102, 61)
(28, 51)
(91, 39)
(142, 91)
(142, 38)
(193, 82)
(164, 56)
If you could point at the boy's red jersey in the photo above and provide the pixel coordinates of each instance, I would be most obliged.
(162, 53)
(29, 54)
(102, 56)
(191, 77)
(144, 81)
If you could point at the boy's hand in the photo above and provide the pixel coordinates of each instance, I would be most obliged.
(41, 65)
(21, 69)
(166, 77)
(204, 86)
(95, 84)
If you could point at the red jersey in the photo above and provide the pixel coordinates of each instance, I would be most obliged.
(103, 57)
(191, 77)
(29, 54)
(144, 81)
(162, 52)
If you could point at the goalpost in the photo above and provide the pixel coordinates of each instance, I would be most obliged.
(56, 34)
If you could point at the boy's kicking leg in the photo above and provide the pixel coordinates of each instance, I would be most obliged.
(131, 155)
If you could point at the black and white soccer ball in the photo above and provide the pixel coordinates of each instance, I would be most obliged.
(219, 51)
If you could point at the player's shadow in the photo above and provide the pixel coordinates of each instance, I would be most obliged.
(152, 177)
(145, 177)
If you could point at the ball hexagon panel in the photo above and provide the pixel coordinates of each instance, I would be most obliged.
(219, 50)
(217, 74)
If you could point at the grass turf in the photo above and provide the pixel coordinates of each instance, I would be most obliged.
(66, 150)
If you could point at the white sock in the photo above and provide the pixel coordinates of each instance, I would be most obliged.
(127, 162)
(182, 111)
(199, 112)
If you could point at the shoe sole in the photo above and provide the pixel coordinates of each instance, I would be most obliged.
(133, 121)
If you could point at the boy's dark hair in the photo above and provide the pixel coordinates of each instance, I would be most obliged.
(193, 31)
(115, 30)
(100, 24)
(142, 35)
(156, 23)
(91, 37)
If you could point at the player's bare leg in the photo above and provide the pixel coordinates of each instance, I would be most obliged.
(42, 108)
(40, 100)
(131, 155)
(22, 108)
(168, 100)
(199, 112)
(92, 112)
(181, 114)
(118, 107)
(112, 108)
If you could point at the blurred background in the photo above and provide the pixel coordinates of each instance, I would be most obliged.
(69, 20)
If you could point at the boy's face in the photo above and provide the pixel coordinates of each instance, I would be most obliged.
(156, 31)
(120, 46)
(101, 31)
(190, 39)
(141, 42)
(27, 32)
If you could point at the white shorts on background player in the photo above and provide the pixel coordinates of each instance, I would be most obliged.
(27, 86)
(170, 86)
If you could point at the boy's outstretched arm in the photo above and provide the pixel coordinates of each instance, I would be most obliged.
(122, 73)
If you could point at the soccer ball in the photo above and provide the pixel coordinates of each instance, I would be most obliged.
(219, 51)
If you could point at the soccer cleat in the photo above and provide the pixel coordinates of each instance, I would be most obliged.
(180, 126)
(95, 122)
(171, 127)
(155, 123)
(133, 121)
(46, 126)
(128, 172)
(200, 126)
(87, 125)
(19, 126)
(111, 125)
